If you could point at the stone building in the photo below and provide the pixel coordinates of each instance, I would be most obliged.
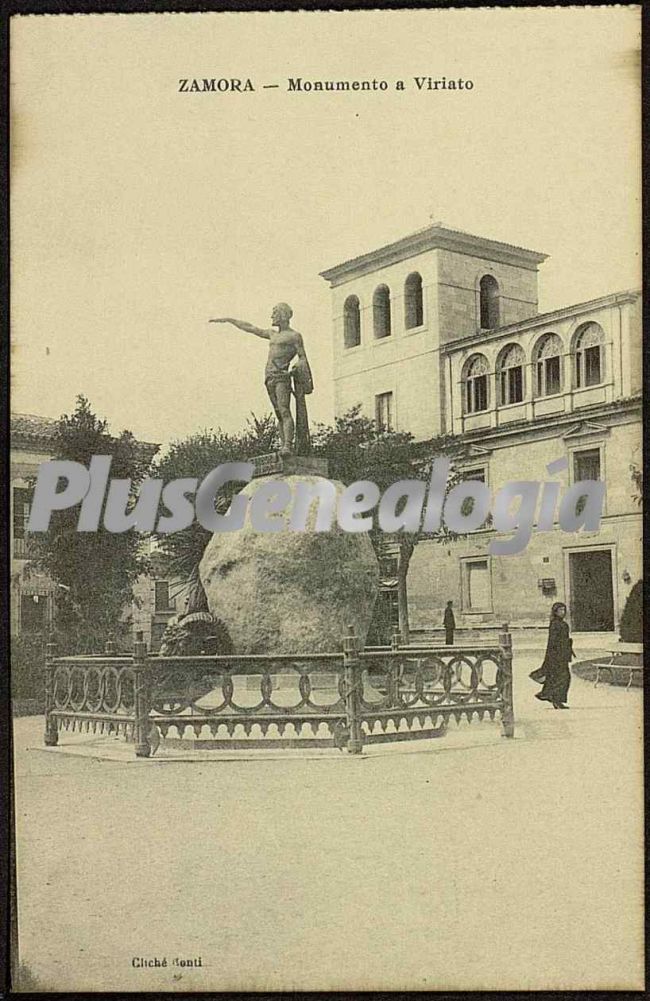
(439, 333)
(33, 594)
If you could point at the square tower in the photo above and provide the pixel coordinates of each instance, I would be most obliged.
(395, 307)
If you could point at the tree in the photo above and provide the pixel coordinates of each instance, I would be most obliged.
(195, 457)
(357, 449)
(94, 571)
(631, 627)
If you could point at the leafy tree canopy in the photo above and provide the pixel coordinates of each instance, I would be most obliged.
(357, 449)
(94, 571)
(195, 457)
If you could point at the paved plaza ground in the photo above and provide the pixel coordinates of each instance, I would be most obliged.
(467, 862)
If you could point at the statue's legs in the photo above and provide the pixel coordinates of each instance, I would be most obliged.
(280, 396)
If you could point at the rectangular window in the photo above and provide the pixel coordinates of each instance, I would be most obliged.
(157, 630)
(552, 375)
(479, 587)
(161, 596)
(22, 498)
(480, 393)
(33, 613)
(592, 365)
(388, 566)
(478, 474)
(384, 411)
(586, 464)
(515, 387)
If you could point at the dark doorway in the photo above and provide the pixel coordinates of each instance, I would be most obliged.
(592, 597)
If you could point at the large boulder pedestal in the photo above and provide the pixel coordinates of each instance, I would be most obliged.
(290, 591)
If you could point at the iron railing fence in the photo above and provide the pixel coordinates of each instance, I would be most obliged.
(345, 699)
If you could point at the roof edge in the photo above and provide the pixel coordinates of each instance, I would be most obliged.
(432, 238)
(541, 319)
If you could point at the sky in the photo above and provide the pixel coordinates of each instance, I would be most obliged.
(139, 212)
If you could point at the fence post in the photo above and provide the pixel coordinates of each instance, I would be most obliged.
(141, 697)
(396, 667)
(352, 669)
(51, 737)
(507, 711)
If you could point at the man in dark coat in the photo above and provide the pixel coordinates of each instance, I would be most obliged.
(449, 623)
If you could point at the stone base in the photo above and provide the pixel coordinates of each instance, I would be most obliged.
(286, 591)
(289, 465)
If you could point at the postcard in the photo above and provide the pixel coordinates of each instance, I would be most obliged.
(326, 498)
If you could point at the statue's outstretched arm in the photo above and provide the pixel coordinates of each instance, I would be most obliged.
(250, 328)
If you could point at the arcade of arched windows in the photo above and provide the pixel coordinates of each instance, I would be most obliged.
(548, 371)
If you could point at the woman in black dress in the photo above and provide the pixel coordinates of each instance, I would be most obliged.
(554, 671)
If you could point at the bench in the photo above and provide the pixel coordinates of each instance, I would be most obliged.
(611, 664)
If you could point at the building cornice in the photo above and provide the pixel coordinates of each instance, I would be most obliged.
(559, 424)
(433, 238)
(540, 320)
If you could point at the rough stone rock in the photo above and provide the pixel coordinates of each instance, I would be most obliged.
(290, 591)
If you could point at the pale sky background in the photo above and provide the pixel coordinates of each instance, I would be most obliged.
(138, 212)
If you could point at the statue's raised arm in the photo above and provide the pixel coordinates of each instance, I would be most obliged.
(250, 328)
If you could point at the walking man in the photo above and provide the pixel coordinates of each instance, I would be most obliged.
(449, 623)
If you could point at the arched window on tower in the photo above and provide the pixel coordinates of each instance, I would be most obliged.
(381, 311)
(351, 322)
(413, 308)
(510, 374)
(475, 384)
(489, 295)
(547, 359)
(588, 354)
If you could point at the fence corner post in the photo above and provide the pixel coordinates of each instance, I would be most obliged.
(507, 710)
(352, 672)
(141, 697)
(51, 736)
(396, 667)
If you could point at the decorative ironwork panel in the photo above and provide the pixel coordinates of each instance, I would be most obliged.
(346, 699)
(421, 690)
(280, 695)
(91, 694)
(208, 686)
